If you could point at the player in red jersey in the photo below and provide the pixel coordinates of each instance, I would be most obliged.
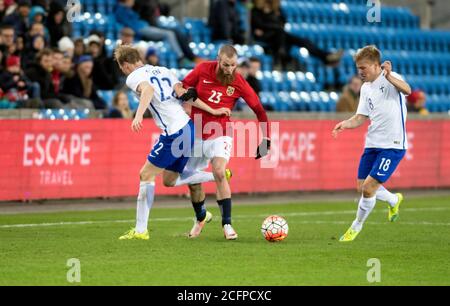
(218, 85)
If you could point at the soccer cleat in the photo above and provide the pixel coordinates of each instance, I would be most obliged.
(133, 235)
(228, 174)
(229, 232)
(349, 235)
(394, 211)
(198, 225)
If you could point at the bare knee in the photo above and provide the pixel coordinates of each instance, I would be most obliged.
(167, 182)
(219, 174)
(359, 185)
(359, 188)
(367, 191)
(146, 176)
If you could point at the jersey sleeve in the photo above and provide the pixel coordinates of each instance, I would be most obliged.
(172, 77)
(362, 105)
(191, 80)
(394, 91)
(397, 76)
(252, 100)
(136, 78)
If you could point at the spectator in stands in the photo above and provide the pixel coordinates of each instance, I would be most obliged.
(224, 21)
(94, 46)
(19, 19)
(416, 102)
(58, 76)
(121, 106)
(2, 57)
(37, 44)
(57, 24)
(16, 87)
(148, 10)
(126, 36)
(151, 57)
(243, 67)
(180, 45)
(349, 100)
(40, 72)
(79, 50)
(151, 10)
(82, 86)
(254, 68)
(38, 29)
(101, 35)
(105, 72)
(2, 9)
(267, 24)
(8, 46)
(66, 66)
(67, 46)
(45, 3)
(20, 44)
(125, 15)
(37, 14)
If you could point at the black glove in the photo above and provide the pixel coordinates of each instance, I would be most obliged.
(263, 148)
(191, 93)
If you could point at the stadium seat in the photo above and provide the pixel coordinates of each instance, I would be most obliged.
(331, 24)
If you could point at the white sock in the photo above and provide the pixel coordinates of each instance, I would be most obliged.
(365, 207)
(144, 204)
(384, 195)
(194, 177)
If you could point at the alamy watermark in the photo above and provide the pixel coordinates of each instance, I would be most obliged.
(73, 10)
(247, 135)
(74, 273)
(374, 273)
(374, 13)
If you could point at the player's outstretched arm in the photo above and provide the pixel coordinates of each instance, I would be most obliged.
(352, 123)
(216, 112)
(146, 95)
(254, 103)
(401, 85)
(190, 96)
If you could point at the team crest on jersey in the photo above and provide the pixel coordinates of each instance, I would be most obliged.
(230, 90)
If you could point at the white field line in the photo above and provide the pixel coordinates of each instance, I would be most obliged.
(300, 214)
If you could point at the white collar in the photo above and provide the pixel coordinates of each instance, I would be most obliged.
(378, 79)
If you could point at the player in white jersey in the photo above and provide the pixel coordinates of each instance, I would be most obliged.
(382, 100)
(158, 89)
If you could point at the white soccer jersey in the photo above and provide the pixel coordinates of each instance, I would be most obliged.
(166, 109)
(386, 108)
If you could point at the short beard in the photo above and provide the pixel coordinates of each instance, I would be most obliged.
(225, 79)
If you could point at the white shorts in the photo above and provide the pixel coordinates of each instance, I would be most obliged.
(205, 150)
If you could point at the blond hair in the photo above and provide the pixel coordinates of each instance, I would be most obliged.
(370, 53)
(127, 54)
(228, 50)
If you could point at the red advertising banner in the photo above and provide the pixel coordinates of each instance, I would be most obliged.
(42, 159)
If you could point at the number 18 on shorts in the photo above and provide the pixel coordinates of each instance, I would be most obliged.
(379, 163)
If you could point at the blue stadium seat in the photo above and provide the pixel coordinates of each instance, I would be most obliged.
(331, 24)
(107, 96)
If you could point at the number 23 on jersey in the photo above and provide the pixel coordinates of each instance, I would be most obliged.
(215, 97)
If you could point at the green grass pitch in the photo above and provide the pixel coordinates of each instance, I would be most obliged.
(413, 251)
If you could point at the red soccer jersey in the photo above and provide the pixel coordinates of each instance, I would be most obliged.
(212, 92)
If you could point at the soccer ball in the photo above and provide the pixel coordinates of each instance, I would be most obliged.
(274, 228)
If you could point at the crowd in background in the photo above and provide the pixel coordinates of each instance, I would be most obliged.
(42, 66)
